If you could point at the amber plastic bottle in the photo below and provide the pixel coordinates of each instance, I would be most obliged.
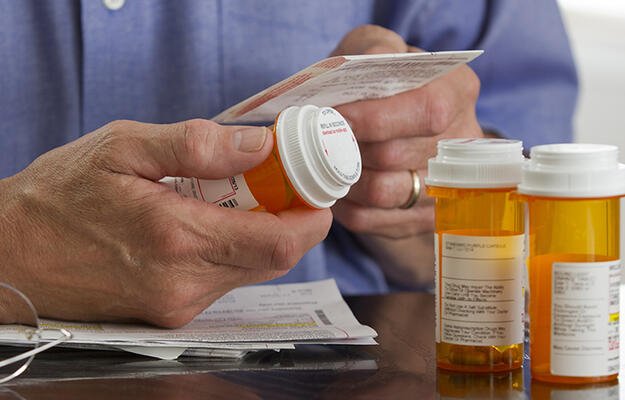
(314, 162)
(572, 192)
(479, 247)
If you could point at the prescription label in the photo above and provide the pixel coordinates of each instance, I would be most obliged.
(481, 294)
(231, 192)
(585, 318)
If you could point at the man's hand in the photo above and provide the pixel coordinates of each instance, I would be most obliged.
(398, 134)
(88, 233)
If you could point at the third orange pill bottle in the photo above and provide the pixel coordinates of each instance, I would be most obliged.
(573, 197)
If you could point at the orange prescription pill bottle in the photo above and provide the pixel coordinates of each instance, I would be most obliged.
(314, 162)
(479, 246)
(572, 193)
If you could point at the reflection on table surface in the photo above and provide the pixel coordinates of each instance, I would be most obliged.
(516, 385)
(402, 366)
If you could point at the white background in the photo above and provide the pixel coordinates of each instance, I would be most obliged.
(597, 32)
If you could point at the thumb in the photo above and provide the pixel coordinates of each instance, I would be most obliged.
(370, 39)
(196, 148)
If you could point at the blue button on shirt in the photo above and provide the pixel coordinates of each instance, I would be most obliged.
(68, 67)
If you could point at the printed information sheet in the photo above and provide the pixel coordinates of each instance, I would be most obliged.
(344, 79)
(245, 319)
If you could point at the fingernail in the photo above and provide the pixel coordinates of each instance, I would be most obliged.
(250, 139)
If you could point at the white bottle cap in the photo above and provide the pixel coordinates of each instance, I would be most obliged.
(319, 153)
(573, 170)
(476, 163)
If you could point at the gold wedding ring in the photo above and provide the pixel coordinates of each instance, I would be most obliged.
(416, 190)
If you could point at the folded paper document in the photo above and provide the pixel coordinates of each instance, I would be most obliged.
(344, 79)
(245, 319)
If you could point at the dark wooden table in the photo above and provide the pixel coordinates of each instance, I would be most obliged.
(402, 366)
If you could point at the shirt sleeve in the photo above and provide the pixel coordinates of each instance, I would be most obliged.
(528, 79)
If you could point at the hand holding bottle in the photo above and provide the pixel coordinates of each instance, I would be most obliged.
(88, 233)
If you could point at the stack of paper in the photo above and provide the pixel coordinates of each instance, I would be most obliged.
(246, 319)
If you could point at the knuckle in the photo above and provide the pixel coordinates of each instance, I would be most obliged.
(168, 303)
(387, 155)
(381, 34)
(271, 275)
(325, 223)
(170, 299)
(377, 121)
(439, 113)
(421, 221)
(111, 142)
(283, 252)
(427, 219)
(403, 231)
(115, 133)
(381, 48)
(472, 85)
(220, 246)
(378, 192)
(118, 127)
(355, 220)
(369, 29)
(198, 142)
(172, 241)
(366, 32)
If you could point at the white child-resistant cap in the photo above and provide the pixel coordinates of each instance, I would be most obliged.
(319, 153)
(476, 163)
(573, 170)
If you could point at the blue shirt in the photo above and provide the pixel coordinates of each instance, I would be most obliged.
(68, 67)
